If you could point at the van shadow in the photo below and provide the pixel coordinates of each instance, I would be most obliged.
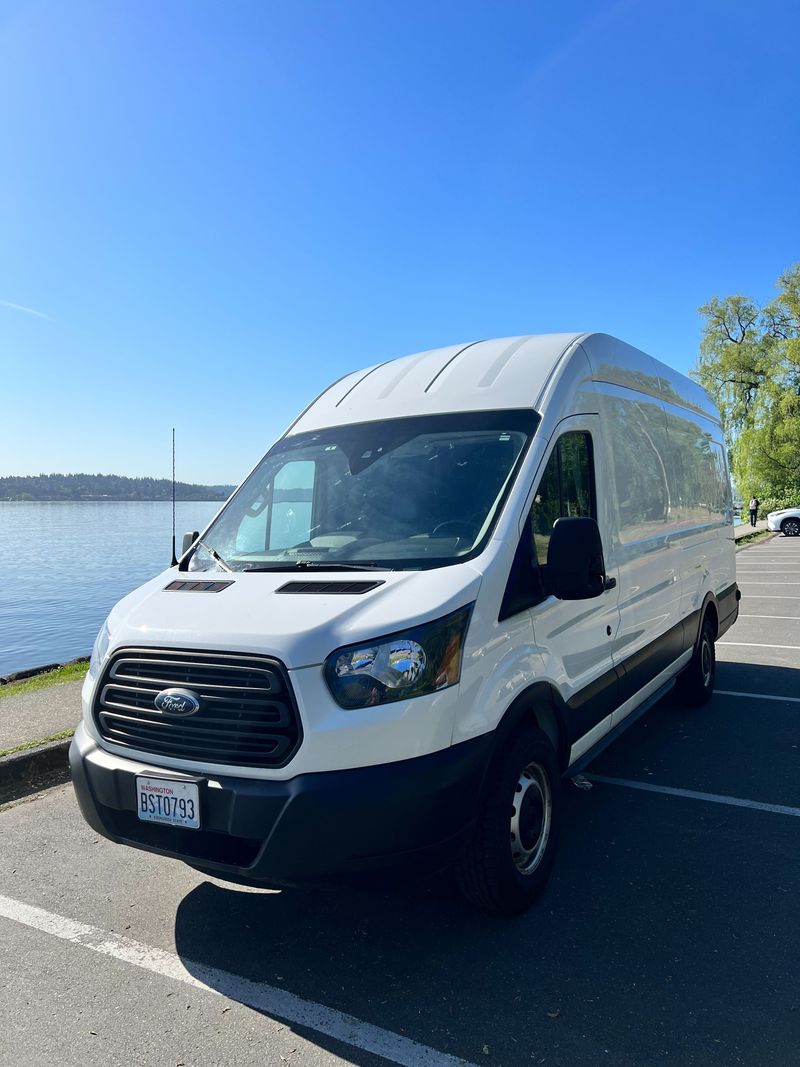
(737, 745)
(375, 954)
(643, 946)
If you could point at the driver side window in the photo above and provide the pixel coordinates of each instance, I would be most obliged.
(566, 489)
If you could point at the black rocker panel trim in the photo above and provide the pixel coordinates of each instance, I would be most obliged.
(608, 692)
(593, 704)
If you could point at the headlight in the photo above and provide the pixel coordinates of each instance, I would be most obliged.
(101, 643)
(399, 666)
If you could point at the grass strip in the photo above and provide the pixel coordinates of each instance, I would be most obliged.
(757, 535)
(36, 744)
(72, 672)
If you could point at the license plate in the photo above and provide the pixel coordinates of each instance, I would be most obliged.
(167, 800)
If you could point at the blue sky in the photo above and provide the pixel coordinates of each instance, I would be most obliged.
(209, 211)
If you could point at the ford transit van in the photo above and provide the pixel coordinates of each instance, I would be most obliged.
(446, 584)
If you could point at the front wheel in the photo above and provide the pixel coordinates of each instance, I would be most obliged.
(695, 684)
(508, 862)
(790, 527)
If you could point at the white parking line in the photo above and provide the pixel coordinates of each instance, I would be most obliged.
(791, 618)
(753, 644)
(755, 696)
(771, 596)
(265, 998)
(691, 794)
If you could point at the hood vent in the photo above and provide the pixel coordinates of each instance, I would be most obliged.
(196, 587)
(329, 588)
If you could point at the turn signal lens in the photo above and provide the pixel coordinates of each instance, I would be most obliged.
(101, 643)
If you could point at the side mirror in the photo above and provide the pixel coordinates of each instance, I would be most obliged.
(188, 540)
(576, 569)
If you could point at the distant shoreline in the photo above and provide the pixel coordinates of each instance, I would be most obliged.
(117, 500)
(54, 488)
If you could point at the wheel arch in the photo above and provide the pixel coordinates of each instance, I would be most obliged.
(709, 610)
(540, 705)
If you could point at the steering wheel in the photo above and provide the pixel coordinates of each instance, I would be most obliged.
(255, 510)
(455, 528)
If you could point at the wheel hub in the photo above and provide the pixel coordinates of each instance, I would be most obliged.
(531, 816)
(705, 661)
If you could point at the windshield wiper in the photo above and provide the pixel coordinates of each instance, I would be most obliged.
(213, 552)
(320, 565)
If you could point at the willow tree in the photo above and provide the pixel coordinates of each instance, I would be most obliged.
(749, 362)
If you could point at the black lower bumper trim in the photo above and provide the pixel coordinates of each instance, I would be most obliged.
(313, 828)
(728, 607)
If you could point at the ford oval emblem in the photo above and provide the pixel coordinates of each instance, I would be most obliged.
(177, 702)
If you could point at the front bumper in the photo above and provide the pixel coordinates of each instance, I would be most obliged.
(415, 814)
(774, 524)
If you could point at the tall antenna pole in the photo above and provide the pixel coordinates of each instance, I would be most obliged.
(174, 557)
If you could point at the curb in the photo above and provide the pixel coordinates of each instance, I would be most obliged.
(755, 535)
(32, 672)
(23, 773)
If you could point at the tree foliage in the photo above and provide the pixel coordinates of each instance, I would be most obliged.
(750, 363)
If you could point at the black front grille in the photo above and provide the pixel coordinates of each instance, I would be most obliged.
(247, 713)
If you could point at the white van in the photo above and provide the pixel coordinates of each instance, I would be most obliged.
(447, 583)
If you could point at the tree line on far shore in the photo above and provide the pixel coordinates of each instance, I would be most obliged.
(105, 487)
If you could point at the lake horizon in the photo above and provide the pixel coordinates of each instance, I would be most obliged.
(65, 563)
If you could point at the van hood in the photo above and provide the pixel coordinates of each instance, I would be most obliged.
(300, 628)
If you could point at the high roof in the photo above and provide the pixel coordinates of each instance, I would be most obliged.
(506, 373)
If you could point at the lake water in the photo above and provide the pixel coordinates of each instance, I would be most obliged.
(64, 565)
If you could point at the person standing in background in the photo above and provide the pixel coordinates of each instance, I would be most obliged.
(754, 502)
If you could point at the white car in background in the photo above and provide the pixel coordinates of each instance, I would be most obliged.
(787, 520)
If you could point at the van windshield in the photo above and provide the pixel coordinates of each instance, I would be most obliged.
(398, 494)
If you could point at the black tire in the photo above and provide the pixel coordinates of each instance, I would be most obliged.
(695, 685)
(790, 527)
(503, 872)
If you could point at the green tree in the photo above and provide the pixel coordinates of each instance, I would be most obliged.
(749, 362)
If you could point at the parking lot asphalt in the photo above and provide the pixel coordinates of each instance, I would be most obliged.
(668, 933)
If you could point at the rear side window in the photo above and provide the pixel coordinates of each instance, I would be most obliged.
(638, 459)
(566, 489)
(699, 484)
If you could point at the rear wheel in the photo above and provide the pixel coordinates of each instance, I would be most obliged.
(790, 527)
(695, 684)
(507, 864)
